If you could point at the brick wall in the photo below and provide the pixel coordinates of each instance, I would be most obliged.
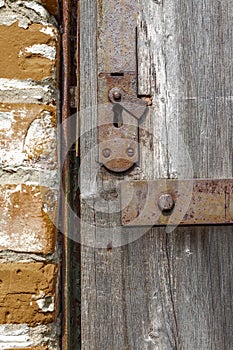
(29, 257)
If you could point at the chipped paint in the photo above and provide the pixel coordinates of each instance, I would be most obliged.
(24, 13)
(44, 50)
(38, 8)
(27, 135)
(24, 226)
(45, 303)
(6, 120)
(14, 337)
(23, 336)
(49, 30)
(16, 84)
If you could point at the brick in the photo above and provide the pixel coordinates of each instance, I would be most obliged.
(28, 135)
(28, 53)
(34, 348)
(27, 216)
(27, 293)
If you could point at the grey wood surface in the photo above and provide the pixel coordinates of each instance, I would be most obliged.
(159, 289)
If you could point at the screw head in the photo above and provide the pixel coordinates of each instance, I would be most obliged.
(166, 202)
(130, 152)
(106, 152)
(117, 94)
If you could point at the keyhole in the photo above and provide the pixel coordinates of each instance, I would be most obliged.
(117, 119)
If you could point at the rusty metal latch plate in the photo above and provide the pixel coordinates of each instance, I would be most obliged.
(177, 202)
(119, 111)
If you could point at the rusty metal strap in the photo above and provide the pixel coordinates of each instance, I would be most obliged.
(177, 202)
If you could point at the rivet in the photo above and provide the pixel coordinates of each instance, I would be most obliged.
(106, 152)
(166, 202)
(117, 94)
(130, 152)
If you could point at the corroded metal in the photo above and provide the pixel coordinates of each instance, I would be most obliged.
(195, 202)
(115, 138)
(118, 121)
(117, 21)
(118, 160)
(166, 202)
(130, 103)
(65, 113)
(119, 107)
(124, 82)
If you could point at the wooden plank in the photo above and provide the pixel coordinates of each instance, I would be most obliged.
(161, 290)
(190, 47)
(88, 138)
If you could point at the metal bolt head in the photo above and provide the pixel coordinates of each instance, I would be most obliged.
(106, 152)
(130, 152)
(166, 202)
(117, 94)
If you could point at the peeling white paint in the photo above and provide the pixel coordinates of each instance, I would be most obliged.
(37, 97)
(12, 84)
(44, 50)
(45, 303)
(16, 91)
(11, 256)
(14, 337)
(6, 119)
(49, 30)
(40, 142)
(22, 111)
(24, 239)
(18, 188)
(38, 8)
(2, 3)
(7, 18)
(12, 153)
(22, 336)
(25, 13)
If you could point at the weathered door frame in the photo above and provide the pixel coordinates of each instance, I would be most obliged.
(166, 242)
(69, 158)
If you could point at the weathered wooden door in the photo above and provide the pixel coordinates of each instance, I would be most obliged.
(156, 288)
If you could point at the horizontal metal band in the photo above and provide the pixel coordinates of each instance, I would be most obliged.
(177, 202)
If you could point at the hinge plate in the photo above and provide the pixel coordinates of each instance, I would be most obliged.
(185, 202)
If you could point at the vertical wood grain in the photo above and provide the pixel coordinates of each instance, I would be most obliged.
(191, 45)
(161, 290)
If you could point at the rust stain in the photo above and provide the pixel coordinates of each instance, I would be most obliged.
(117, 66)
(196, 202)
(119, 137)
(117, 21)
